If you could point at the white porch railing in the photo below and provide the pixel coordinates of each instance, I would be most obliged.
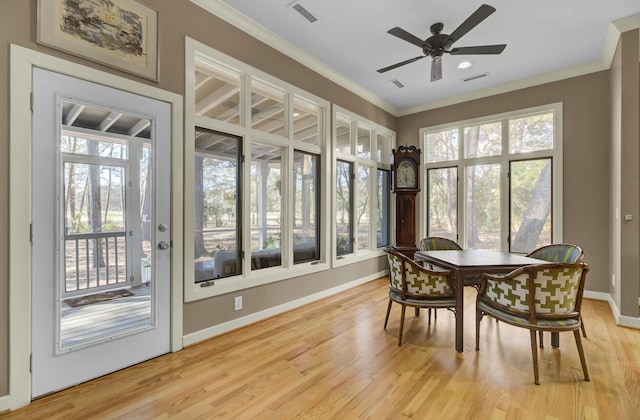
(94, 261)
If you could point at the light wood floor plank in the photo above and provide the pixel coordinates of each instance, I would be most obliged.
(332, 359)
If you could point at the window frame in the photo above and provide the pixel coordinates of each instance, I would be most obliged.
(504, 159)
(249, 278)
(358, 123)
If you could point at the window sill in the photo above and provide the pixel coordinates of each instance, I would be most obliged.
(221, 286)
(358, 256)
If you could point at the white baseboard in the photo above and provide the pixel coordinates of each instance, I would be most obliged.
(622, 320)
(215, 330)
(597, 295)
(5, 403)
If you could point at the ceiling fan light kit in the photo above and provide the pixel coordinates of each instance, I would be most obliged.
(439, 44)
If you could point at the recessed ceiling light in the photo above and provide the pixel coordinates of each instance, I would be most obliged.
(464, 65)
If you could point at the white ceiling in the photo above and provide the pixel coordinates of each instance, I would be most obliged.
(546, 40)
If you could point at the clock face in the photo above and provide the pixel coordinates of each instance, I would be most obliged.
(406, 174)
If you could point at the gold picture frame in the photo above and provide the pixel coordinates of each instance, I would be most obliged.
(122, 34)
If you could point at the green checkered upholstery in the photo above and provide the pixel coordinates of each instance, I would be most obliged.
(395, 271)
(435, 243)
(421, 282)
(542, 297)
(412, 285)
(568, 253)
(555, 289)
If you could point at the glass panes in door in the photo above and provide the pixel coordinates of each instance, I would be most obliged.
(530, 192)
(442, 202)
(483, 207)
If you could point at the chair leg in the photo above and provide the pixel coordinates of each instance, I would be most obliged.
(534, 355)
(478, 318)
(541, 340)
(417, 311)
(429, 316)
(386, 319)
(401, 326)
(583, 361)
(584, 332)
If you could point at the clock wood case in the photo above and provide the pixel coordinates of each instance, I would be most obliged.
(406, 185)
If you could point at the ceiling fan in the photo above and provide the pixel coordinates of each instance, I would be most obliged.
(438, 44)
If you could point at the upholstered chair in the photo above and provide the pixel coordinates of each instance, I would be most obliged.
(436, 243)
(543, 297)
(567, 253)
(412, 285)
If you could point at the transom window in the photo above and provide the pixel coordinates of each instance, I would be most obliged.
(495, 182)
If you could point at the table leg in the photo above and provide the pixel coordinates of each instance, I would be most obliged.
(459, 311)
(555, 339)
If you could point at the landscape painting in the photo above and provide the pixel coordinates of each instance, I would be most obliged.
(117, 33)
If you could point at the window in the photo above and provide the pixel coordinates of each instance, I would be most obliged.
(306, 194)
(383, 221)
(509, 195)
(217, 233)
(266, 205)
(267, 108)
(344, 213)
(363, 186)
(217, 92)
(254, 176)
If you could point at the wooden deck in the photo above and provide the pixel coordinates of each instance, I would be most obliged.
(96, 322)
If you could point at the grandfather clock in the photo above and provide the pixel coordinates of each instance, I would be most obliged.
(406, 185)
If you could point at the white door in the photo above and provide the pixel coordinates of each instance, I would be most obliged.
(101, 232)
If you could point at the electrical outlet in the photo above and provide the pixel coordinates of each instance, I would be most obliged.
(237, 303)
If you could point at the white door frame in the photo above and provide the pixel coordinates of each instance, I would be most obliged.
(22, 60)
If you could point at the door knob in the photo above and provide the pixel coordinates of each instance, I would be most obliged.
(162, 227)
(163, 245)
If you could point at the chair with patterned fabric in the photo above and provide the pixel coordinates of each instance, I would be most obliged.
(567, 253)
(542, 297)
(412, 285)
(436, 243)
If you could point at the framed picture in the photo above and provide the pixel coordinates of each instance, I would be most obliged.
(122, 34)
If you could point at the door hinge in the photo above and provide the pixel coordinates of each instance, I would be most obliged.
(31, 232)
(31, 101)
(31, 363)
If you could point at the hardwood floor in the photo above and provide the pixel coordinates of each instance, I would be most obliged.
(332, 359)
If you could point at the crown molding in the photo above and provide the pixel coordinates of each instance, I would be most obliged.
(509, 87)
(616, 28)
(244, 23)
(253, 28)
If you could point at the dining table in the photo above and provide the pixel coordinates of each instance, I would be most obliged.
(472, 263)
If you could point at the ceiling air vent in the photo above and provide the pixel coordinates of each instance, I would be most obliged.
(397, 82)
(477, 76)
(304, 12)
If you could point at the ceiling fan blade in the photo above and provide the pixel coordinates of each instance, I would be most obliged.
(402, 34)
(402, 63)
(436, 68)
(472, 21)
(483, 49)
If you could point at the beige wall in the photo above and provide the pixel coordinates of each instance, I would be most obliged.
(586, 134)
(625, 172)
(178, 19)
(586, 138)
